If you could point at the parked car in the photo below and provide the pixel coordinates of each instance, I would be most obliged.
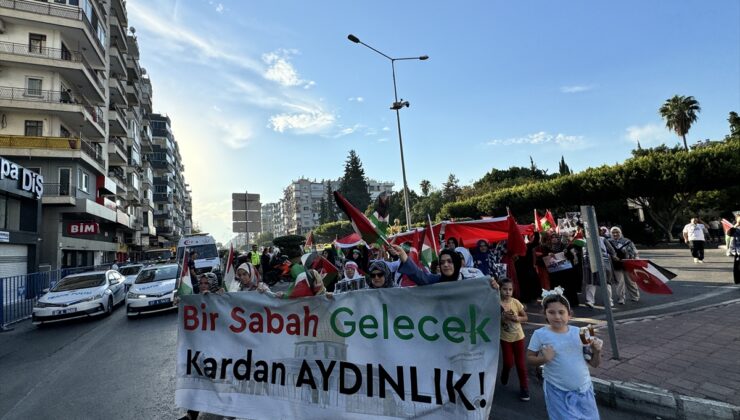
(153, 290)
(130, 272)
(80, 295)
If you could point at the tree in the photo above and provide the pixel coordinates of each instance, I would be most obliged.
(734, 121)
(563, 167)
(354, 185)
(331, 206)
(327, 232)
(532, 166)
(679, 113)
(451, 189)
(430, 205)
(426, 187)
(264, 239)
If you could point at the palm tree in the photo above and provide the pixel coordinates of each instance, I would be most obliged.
(426, 186)
(679, 112)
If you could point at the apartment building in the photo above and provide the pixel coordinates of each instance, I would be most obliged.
(74, 106)
(172, 205)
(299, 210)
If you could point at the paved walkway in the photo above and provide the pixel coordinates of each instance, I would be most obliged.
(694, 352)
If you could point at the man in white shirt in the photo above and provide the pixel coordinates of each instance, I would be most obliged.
(693, 235)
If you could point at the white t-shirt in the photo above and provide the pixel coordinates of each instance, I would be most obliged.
(567, 370)
(695, 232)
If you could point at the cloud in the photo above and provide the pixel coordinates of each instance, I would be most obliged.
(280, 69)
(383, 140)
(576, 88)
(356, 99)
(348, 130)
(648, 134)
(386, 128)
(179, 36)
(220, 8)
(541, 137)
(234, 133)
(313, 122)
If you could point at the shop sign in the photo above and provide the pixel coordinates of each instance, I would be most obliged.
(83, 228)
(29, 181)
(4, 236)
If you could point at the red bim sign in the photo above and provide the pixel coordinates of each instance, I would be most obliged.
(83, 228)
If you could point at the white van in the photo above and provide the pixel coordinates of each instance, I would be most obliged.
(203, 253)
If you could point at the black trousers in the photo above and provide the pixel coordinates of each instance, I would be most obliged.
(697, 249)
(736, 269)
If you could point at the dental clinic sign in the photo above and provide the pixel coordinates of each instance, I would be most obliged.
(27, 181)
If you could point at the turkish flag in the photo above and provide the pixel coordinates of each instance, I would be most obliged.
(726, 225)
(650, 277)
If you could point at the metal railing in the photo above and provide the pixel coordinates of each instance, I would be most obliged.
(50, 9)
(119, 143)
(93, 152)
(51, 53)
(118, 173)
(59, 190)
(18, 294)
(39, 95)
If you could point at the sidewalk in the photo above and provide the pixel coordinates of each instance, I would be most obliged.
(694, 354)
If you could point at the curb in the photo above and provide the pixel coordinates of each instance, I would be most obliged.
(662, 403)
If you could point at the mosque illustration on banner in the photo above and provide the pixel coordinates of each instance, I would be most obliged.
(328, 346)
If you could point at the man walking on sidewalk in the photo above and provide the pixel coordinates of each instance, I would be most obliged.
(694, 236)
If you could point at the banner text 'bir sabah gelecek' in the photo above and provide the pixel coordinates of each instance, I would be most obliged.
(428, 352)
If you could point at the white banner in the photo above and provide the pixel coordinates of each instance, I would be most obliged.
(422, 352)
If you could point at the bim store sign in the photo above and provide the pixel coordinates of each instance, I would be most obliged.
(14, 177)
(83, 228)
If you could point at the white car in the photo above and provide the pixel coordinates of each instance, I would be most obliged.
(153, 290)
(130, 272)
(80, 295)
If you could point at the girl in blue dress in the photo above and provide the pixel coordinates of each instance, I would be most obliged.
(569, 393)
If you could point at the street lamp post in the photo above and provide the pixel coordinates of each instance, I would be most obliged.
(397, 105)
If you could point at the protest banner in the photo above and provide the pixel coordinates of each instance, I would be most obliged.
(429, 352)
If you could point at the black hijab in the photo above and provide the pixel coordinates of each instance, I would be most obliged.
(456, 263)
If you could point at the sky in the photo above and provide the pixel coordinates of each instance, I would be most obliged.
(261, 93)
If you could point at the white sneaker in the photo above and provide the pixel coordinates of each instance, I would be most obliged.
(701, 261)
(696, 260)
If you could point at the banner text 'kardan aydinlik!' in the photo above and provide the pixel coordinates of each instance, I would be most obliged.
(407, 352)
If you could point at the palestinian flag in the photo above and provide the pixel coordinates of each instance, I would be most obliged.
(579, 240)
(380, 213)
(185, 284)
(329, 272)
(303, 286)
(349, 241)
(726, 225)
(230, 282)
(428, 245)
(360, 223)
(650, 277)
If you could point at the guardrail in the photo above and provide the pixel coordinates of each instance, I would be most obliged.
(18, 294)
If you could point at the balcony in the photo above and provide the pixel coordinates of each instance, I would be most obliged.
(162, 198)
(59, 194)
(72, 65)
(118, 31)
(134, 69)
(68, 106)
(70, 20)
(117, 62)
(117, 124)
(116, 151)
(117, 90)
(133, 93)
(53, 147)
(118, 176)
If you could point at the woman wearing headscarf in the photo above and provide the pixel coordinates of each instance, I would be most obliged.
(528, 281)
(379, 276)
(467, 270)
(483, 257)
(625, 251)
(352, 279)
(249, 280)
(450, 265)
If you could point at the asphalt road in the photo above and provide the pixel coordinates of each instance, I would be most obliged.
(124, 369)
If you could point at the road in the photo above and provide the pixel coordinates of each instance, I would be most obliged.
(124, 369)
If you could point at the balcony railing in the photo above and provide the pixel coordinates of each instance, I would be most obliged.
(118, 142)
(50, 9)
(59, 190)
(118, 173)
(51, 97)
(51, 53)
(59, 143)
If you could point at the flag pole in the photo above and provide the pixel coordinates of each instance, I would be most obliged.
(597, 266)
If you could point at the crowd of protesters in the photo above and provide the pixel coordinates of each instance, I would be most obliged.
(554, 270)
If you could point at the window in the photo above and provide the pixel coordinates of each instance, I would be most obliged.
(33, 86)
(34, 128)
(36, 43)
(64, 181)
(3, 204)
(13, 214)
(83, 179)
(63, 132)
